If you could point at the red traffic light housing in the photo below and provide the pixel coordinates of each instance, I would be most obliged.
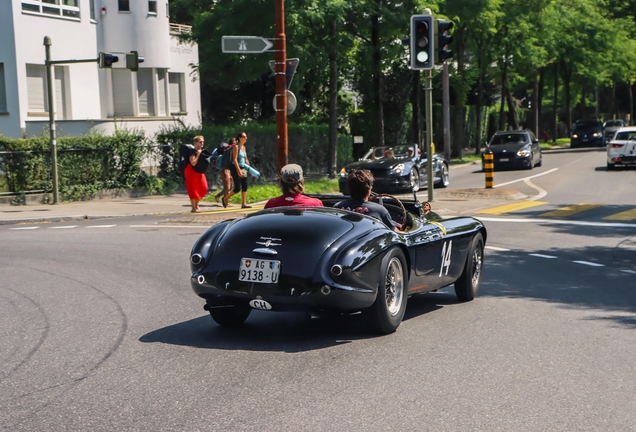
(421, 42)
(442, 39)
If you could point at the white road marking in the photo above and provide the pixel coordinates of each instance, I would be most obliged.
(170, 226)
(497, 249)
(589, 263)
(629, 271)
(100, 226)
(64, 227)
(559, 222)
(25, 228)
(542, 256)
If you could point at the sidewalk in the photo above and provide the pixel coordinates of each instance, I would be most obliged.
(446, 203)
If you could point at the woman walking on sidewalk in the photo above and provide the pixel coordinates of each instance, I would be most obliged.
(239, 173)
(196, 183)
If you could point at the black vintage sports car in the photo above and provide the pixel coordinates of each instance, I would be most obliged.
(325, 260)
(396, 169)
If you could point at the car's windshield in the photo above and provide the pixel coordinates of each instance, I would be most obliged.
(390, 152)
(613, 123)
(627, 135)
(510, 138)
(587, 125)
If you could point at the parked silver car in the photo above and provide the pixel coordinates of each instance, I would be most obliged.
(610, 127)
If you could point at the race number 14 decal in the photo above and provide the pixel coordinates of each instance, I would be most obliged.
(446, 258)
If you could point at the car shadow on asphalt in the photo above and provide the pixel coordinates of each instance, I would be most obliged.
(285, 331)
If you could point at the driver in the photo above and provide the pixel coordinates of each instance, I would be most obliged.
(359, 184)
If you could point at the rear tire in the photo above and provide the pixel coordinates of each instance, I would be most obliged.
(414, 179)
(230, 315)
(610, 167)
(467, 285)
(387, 312)
(444, 177)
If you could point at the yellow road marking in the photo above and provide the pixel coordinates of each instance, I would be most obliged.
(570, 210)
(511, 207)
(624, 216)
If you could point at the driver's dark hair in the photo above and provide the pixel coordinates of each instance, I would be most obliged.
(359, 183)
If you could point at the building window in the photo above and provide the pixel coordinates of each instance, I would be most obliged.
(167, 10)
(176, 93)
(57, 8)
(92, 6)
(3, 92)
(161, 92)
(124, 5)
(37, 91)
(123, 101)
(152, 7)
(145, 93)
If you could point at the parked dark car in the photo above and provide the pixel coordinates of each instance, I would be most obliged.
(610, 127)
(587, 133)
(514, 149)
(396, 169)
(327, 260)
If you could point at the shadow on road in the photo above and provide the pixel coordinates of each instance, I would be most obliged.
(283, 331)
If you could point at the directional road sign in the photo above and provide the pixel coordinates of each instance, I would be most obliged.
(245, 44)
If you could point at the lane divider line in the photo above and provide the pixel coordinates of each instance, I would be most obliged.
(63, 227)
(560, 222)
(101, 226)
(507, 208)
(528, 178)
(591, 264)
(497, 249)
(542, 256)
(629, 271)
(570, 210)
(25, 228)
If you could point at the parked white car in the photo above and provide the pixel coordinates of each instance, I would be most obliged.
(621, 150)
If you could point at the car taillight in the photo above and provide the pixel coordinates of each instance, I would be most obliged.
(613, 145)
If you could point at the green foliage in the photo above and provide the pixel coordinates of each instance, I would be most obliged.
(263, 192)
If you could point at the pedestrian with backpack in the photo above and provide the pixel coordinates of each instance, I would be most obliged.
(196, 183)
(224, 171)
(238, 170)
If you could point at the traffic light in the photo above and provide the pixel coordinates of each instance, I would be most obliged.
(421, 43)
(133, 60)
(106, 60)
(442, 39)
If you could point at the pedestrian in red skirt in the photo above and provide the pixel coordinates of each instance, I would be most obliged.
(196, 183)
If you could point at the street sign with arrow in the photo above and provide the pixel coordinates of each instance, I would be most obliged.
(245, 44)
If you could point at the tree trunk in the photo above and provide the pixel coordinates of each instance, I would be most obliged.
(535, 103)
(504, 78)
(333, 101)
(377, 80)
(567, 75)
(631, 104)
(613, 100)
(540, 126)
(457, 137)
(583, 109)
(480, 79)
(512, 112)
(555, 104)
(417, 130)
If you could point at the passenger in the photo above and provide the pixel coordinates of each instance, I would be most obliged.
(389, 154)
(292, 184)
(359, 185)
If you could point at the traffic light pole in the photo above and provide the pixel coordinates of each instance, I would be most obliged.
(428, 100)
(281, 84)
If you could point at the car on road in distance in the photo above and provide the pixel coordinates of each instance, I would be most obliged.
(621, 150)
(587, 133)
(397, 169)
(610, 127)
(514, 149)
(324, 260)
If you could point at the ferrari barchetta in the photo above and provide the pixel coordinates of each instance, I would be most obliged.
(326, 260)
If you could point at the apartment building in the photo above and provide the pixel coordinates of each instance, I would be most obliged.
(162, 91)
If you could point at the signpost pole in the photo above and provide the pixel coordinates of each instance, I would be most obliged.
(49, 85)
(428, 98)
(281, 88)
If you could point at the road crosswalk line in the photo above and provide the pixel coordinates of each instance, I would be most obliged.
(624, 216)
(506, 208)
(570, 210)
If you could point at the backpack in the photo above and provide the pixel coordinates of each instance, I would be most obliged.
(214, 157)
(228, 160)
(204, 162)
(185, 150)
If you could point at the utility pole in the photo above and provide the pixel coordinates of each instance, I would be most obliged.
(49, 85)
(446, 111)
(281, 87)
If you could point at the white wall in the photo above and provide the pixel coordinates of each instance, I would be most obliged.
(182, 56)
(9, 123)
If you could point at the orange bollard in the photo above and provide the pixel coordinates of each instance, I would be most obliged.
(489, 169)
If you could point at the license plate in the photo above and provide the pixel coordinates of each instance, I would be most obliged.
(259, 271)
(504, 160)
(585, 139)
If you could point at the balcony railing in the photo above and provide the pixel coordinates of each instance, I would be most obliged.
(177, 29)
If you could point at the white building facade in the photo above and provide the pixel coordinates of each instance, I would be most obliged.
(162, 91)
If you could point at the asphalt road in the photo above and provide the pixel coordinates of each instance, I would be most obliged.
(99, 330)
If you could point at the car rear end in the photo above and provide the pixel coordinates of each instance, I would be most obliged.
(621, 150)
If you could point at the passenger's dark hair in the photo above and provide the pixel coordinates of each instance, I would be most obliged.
(292, 189)
(359, 183)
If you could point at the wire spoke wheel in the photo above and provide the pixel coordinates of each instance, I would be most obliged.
(394, 288)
